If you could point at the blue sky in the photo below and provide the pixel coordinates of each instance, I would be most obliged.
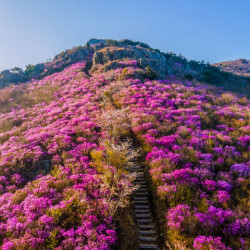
(34, 30)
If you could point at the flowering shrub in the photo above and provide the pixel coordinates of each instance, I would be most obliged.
(177, 216)
(197, 146)
(62, 161)
(210, 243)
(54, 192)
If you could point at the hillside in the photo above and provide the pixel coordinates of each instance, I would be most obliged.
(113, 152)
(108, 50)
(239, 67)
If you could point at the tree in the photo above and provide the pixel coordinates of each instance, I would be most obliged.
(150, 74)
(16, 70)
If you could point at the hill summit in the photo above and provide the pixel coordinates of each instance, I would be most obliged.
(107, 52)
(116, 145)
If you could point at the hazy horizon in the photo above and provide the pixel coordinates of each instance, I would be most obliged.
(33, 32)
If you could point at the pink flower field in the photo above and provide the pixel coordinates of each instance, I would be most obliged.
(63, 178)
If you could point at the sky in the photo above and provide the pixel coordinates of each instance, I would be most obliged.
(32, 31)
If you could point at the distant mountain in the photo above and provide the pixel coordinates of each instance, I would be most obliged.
(107, 51)
(239, 67)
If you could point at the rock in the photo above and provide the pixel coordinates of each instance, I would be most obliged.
(95, 41)
(145, 57)
(70, 56)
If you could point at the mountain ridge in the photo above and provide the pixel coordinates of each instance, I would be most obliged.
(239, 67)
(108, 50)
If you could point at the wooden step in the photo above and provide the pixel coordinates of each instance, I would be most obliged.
(140, 193)
(141, 190)
(140, 175)
(147, 238)
(141, 202)
(143, 215)
(143, 221)
(135, 169)
(140, 198)
(147, 246)
(140, 178)
(147, 232)
(142, 210)
(142, 184)
(135, 166)
(151, 226)
(141, 207)
(133, 160)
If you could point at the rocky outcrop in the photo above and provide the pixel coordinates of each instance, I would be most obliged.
(8, 76)
(145, 57)
(95, 41)
(71, 56)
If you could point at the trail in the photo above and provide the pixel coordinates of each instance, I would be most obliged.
(147, 238)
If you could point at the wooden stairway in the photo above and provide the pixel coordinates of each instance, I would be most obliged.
(146, 226)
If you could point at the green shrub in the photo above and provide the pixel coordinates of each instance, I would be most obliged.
(150, 74)
(189, 77)
(124, 73)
